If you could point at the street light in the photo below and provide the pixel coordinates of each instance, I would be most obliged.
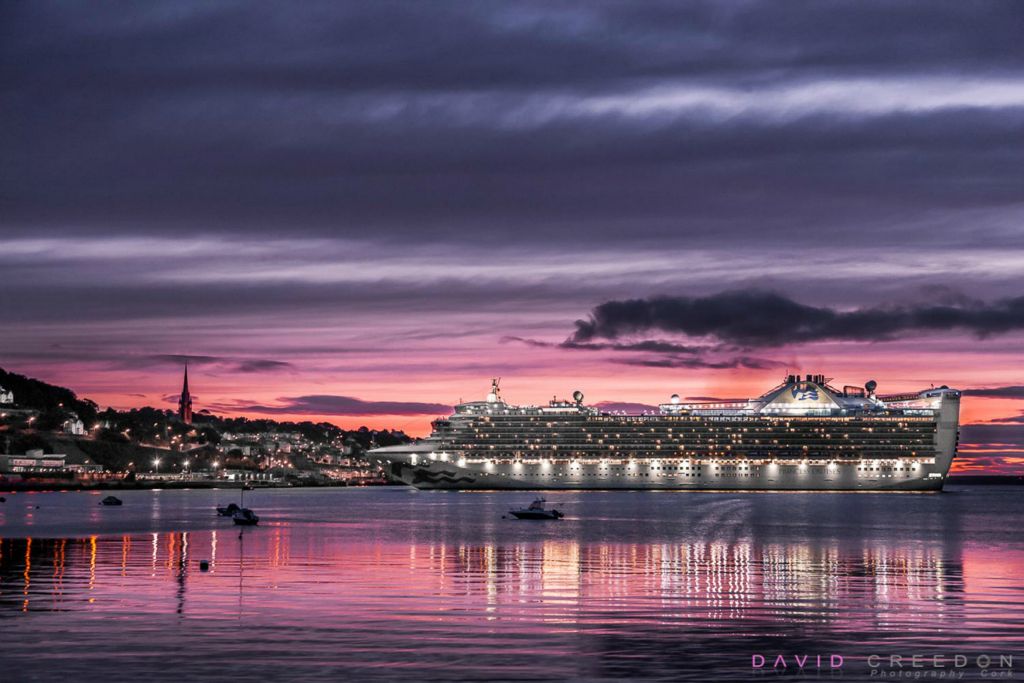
(156, 464)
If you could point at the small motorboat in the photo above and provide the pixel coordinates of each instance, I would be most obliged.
(245, 517)
(536, 510)
(111, 500)
(228, 510)
(247, 487)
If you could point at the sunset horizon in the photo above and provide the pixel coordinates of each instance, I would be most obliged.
(984, 446)
(614, 340)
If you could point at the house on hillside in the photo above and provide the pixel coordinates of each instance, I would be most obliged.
(74, 426)
(6, 397)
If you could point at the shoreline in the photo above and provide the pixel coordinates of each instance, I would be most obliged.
(146, 485)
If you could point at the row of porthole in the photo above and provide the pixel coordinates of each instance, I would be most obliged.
(677, 438)
(624, 474)
(709, 465)
(884, 469)
(697, 471)
(840, 461)
(647, 474)
(643, 474)
(514, 446)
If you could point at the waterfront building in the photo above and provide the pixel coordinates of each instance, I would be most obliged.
(33, 461)
(36, 462)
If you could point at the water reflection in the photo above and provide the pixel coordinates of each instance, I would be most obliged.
(453, 593)
(700, 583)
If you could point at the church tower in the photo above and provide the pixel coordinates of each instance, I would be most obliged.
(185, 402)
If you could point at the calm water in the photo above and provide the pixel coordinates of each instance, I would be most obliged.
(393, 583)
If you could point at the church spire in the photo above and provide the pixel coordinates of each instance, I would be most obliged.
(185, 402)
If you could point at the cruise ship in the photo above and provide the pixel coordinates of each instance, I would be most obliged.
(804, 434)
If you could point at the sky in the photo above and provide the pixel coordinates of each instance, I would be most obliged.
(361, 212)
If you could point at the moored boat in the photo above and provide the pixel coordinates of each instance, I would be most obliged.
(228, 510)
(536, 510)
(245, 517)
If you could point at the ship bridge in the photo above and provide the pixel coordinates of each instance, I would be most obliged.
(494, 404)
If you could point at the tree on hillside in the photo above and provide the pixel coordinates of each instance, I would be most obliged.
(32, 393)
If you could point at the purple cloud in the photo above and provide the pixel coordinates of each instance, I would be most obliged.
(1014, 391)
(328, 404)
(756, 318)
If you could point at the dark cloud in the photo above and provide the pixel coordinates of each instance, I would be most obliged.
(258, 365)
(327, 404)
(988, 464)
(670, 354)
(423, 120)
(992, 448)
(103, 302)
(991, 435)
(1014, 391)
(726, 364)
(171, 359)
(220, 362)
(536, 343)
(653, 345)
(763, 319)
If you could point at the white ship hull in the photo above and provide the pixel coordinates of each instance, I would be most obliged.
(414, 466)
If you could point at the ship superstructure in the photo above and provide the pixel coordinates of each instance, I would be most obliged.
(804, 434)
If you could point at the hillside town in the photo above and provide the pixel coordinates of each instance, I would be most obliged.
(51, 438)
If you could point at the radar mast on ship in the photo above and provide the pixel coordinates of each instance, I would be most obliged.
(495, 395)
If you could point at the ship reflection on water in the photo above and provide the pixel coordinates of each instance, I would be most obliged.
(364, 599)
(698, 583)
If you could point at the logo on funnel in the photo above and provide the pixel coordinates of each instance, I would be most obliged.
(808, 394)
